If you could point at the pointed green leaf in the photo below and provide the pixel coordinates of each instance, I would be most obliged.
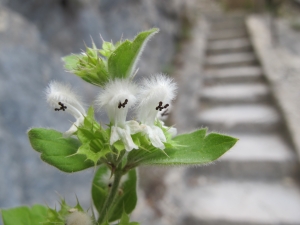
(125, 220)
(126, 199)
(85, 135)
(195, 148)
(89, 120)
(122, 62)
(59, 217)
(71, 61)
(88, 66)
(92, 151)
(95, 142)
(57, 150)
(24, 215)
(107, 49)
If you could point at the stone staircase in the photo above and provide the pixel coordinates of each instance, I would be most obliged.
(255, 183)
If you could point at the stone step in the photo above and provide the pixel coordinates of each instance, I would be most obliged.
(237, 117)
(231, 60)
(231, 45)
(200, 200)
(235, 93)
(226, 18)
(228, 24)
(234, 75)
(255, 156)
(227, 34)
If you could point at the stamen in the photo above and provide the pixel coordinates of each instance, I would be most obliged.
(161, 107)
(123, 104)
(62, 107)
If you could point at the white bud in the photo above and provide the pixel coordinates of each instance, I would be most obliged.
(78, 218)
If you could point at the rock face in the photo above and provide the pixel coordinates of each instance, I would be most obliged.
(34, 36)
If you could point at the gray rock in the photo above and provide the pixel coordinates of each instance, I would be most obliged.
(34, 36)
(27, 66)
(76, 24)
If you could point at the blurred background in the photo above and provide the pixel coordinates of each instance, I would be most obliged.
(237, 63)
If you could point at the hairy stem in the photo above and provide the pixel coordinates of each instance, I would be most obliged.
(118, 173)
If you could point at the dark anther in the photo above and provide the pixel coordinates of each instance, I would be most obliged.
(110, 184)
(123, 104)
(62, 107)
(161, 107)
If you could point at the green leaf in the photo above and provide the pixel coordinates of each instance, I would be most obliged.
(125, 220)
(126, 198)
(85, 135)
(195, 148)
(89, 120)
(107, 49)
(71, 61)
(57, 150)
(122, 62)
(92, 150)
(95, 141)
(24, 215)
(59, 217)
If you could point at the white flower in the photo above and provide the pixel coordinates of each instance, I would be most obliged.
(156, 95)
(78, 218)
(116, 98)
(62, 97)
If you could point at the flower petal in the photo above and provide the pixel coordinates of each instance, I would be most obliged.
(127, 140)
(133, 126)
(74, 127)
(156, 136)
(118, 133)
(114, 135)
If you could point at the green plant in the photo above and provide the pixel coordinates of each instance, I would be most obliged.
(114, 150)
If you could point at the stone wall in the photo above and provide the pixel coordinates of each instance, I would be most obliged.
(281, 67)
(34, 36)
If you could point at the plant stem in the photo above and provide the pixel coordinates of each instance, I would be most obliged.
(111, 197)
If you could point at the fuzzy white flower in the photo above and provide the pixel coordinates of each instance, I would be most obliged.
(62, 97)
(116, 98)
(156, 95)
(78, 218)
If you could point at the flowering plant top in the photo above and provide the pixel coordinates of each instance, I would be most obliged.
(117, 148)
